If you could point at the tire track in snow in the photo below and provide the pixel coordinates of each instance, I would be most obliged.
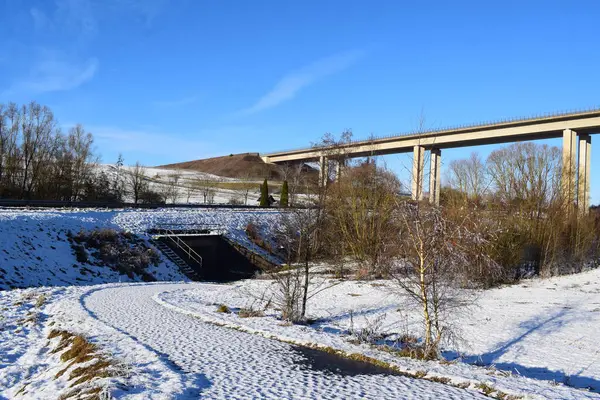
(220, 363)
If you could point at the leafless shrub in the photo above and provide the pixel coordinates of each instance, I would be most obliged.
(434, 252)
(538, 228)
(370, 332)
(360, 217)
(297, 235)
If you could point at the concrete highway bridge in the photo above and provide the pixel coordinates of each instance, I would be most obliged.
(575, 128)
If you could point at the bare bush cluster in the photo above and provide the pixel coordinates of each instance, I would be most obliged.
(360, 217)
(499, 212)
(519, 188)
(121, 251)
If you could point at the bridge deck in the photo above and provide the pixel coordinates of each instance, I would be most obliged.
(546, 127)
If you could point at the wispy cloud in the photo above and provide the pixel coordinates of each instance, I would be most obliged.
(176, 103)
(289, 86)
(60, 56)
(54, 75)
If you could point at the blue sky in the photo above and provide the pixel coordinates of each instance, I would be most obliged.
(165, 81)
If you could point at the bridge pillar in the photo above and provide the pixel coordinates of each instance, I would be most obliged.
(569, 171)
(417, 172)
(583, 180)
(323, 171)
(339, 164)
(435, 176)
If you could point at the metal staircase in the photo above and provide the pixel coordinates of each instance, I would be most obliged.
(193, 257)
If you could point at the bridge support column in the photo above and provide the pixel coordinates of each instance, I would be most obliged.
(339, 165)
(323, 171)
(583, 176)
(417, 173)
(569, 171)
(435, 176)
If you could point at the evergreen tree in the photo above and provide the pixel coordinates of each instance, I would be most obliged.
(283, 201)
(264, 194)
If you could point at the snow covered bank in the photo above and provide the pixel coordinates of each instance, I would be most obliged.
(544, 330)
(34, 250)
(30, 366)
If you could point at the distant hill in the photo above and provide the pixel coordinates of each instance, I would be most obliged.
(246, 165)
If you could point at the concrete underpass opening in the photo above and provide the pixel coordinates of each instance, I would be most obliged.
(205, 254)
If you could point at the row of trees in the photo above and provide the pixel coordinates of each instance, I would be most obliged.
(40, 161)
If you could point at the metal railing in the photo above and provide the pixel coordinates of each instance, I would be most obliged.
(186, 229)
(191, 253)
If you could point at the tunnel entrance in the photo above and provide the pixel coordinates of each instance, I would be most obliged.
(205, 254)
(221, 262)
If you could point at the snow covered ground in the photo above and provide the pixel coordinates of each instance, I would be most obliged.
(172, 355)
(34, 250)
(542, 329)
(174, 344)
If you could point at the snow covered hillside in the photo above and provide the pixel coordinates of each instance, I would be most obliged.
(189, 185)
(35, 251)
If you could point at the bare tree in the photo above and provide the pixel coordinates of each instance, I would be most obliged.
(189, 191)
(469, 176)
(37, 126)
(172, 189)
(118, 185)
(247, 185)
(298, 237)
(526, 172)
(207, 187)
(137, 181)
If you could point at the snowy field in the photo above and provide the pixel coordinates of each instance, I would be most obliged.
(34, 250)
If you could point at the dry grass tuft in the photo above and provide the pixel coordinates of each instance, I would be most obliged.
(81, 351)
(440, 379)
(249, 313)
(41, 300)
(88, 394)
(30, 319)
(222, 308)
(485, 388)
(100, 369)
(94, 365)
